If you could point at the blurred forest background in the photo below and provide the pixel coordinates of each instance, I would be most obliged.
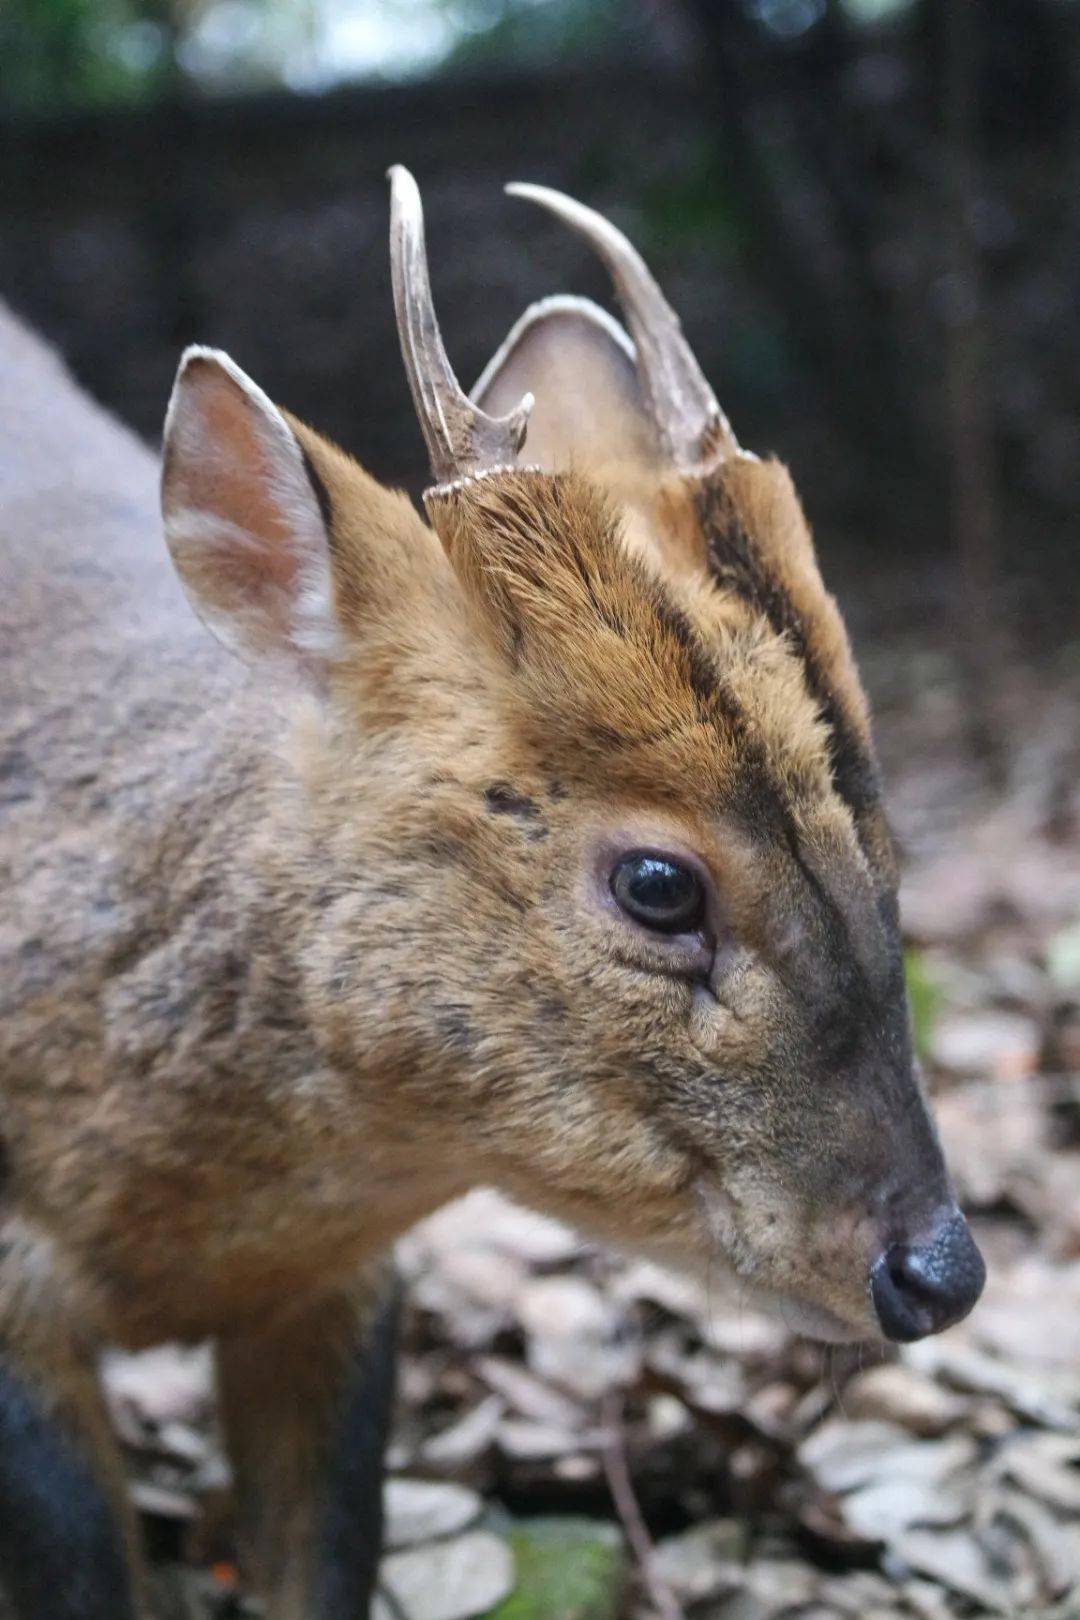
(867, 213)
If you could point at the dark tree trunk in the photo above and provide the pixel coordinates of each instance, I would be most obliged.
(975, 517)
(803, 167)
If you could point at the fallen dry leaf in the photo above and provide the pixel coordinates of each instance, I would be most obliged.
(426, 1510)
(447, 1580)
(897, 1393)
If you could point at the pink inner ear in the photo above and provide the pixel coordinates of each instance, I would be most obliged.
(241, 518)
(236, 477)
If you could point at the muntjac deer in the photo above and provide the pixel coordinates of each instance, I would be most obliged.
(541, 845)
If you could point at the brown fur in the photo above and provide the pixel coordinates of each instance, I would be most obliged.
(287, 968)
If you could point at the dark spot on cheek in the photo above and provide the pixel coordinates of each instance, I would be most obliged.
(502, 799)
(556, 790)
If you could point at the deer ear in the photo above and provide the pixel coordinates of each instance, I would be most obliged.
(579, 364)
(244, 517)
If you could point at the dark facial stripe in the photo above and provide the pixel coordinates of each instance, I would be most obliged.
(852, 1009)
(736, 565)
(715, 703)
(701, 669)
(593, 565)
(763, 799)
(320, 491)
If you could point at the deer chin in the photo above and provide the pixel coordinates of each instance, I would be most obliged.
(798, 1311)
(799, 1314)
(812, 1321)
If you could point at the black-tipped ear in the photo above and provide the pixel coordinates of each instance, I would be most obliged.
(244, 520)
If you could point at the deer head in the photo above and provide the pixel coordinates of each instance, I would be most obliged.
(589, 878)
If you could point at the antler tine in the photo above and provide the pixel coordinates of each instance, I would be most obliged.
(461, 438)
(684, 409)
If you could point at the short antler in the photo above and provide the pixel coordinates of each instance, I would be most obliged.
(462, 440)
(692, 427)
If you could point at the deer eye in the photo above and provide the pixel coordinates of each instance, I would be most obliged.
(659, 892)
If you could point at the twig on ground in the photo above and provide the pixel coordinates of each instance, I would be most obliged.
(626, 1505)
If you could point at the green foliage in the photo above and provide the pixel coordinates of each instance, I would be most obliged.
(925, 996)
(567, 1569)
(536, 33)
(697, 209)
(79, 53)
(695, 204)
(57, 54)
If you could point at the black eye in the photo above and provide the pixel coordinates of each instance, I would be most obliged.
(659, 892)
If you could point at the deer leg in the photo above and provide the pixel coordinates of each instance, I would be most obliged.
(68, 1537)
(306, 1408)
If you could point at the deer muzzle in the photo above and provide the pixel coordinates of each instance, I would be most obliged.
(923, 1286)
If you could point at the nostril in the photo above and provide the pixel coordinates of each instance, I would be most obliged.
(898, 1262)
(921, 1288)
(902, 1314)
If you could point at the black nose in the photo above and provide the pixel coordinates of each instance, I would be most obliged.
(920, 1288)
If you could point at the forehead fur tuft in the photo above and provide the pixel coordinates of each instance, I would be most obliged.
(625, 665)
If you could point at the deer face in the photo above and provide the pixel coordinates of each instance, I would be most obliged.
(595, 895)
